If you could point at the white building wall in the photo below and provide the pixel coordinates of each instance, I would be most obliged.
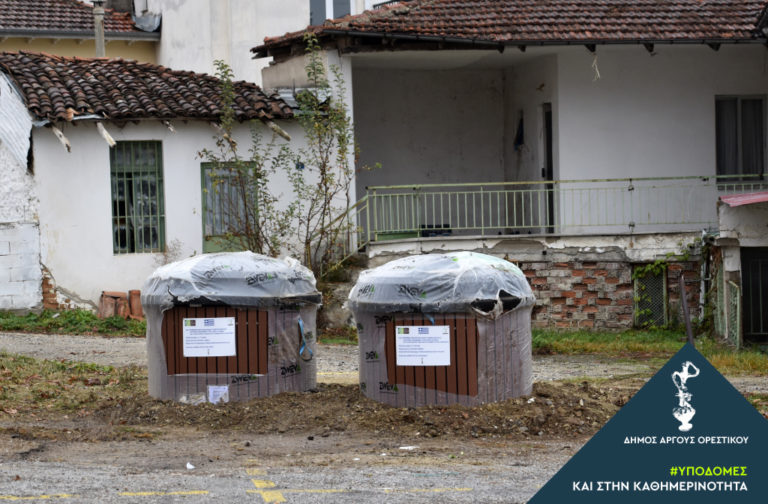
(429, 126)
(76, 205)
(648, 115)
(197, 32)
(645, 116)
(20, 274)
(528, 86)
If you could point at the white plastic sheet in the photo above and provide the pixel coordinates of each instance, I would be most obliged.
(233, 278)
(459, 282)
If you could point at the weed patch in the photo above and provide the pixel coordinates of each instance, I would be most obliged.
(71, 322)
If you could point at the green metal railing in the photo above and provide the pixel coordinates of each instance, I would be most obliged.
(563, 207)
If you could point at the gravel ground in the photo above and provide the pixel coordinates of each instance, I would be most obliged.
(336, 363)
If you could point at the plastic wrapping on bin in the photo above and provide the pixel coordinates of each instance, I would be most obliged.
(485, 302)
(233, 278)
(274, 305)
(439, 283)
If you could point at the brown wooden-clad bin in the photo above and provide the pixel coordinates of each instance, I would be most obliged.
(232, 325)
(442, 329)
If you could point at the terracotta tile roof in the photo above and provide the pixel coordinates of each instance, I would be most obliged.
(59, 16)
(59, 88)
(551, 21)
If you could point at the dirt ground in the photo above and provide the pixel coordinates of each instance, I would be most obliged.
(330, 423)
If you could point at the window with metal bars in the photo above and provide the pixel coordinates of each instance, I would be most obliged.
(651, 299)
(224, 209)
(138, 213)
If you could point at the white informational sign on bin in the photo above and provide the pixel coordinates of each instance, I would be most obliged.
(423, 345)
(209, 337)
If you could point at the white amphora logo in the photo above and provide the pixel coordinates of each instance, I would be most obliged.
(684, 411)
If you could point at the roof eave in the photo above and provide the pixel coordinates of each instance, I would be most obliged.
(78, 34)
(267, 50)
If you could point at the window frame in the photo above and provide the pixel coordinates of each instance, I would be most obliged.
(128, 179)
(214, 242)
(739, 173)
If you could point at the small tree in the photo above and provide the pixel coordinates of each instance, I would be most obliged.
(312, 225)
(322, 187)
(245, 213)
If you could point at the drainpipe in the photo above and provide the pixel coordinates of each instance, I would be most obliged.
(98, 27)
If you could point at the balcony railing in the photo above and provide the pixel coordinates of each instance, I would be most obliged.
(562, 207)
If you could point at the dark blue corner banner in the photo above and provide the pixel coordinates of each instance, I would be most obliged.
(687, 436)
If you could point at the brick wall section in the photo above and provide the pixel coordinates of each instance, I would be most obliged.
(595, 295)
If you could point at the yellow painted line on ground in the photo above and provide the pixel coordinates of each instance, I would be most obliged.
(255, 471)
(35, 497)
(315, 490)
(152, 494)
(269, 495)
(263, 483)
(426, 490)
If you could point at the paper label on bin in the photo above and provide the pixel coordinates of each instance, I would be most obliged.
(423, 345)
(218, 393)
(209, 337)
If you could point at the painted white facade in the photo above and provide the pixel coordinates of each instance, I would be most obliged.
(75, 201)
(645, 116)
(197, 32)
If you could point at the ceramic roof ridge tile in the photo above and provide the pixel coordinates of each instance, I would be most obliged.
(54, 86)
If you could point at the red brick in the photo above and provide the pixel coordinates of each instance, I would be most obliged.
(589, 309)
(589, 281)
(587, 323)
(625, 302)
(603, 301)
(613, 280)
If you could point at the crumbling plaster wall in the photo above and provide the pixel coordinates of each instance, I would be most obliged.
(20, 273)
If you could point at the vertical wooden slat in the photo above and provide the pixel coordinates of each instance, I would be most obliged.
(232, 367)
(221, 362)
(241, 338)
(400, 371)
(472, 356)
(191, 362)
(461, 355)
(251, 352)
(419, 372)
(453, 387)
(430, 375)
(390, 352)
(263, 342)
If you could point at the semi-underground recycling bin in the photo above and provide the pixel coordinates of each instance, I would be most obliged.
(442, 329)
(230, 326)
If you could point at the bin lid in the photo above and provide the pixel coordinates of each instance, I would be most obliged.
(232, 278)
(458, 282)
